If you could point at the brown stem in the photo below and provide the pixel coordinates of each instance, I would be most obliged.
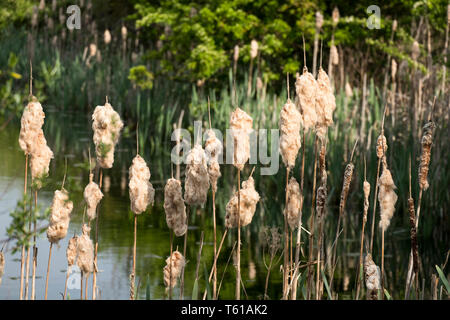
(184, 254)
(286, 243)
(65, 285)
(267, 277)
(48, 269)
(22, 261)
(94, 277)
(311, 228)
(170, 265)
(374, 206)
(214, 267)
(35, 251)
(133, 274)
(215, 245)
(382, 264)
(238, 253)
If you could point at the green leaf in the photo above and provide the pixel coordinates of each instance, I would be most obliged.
(208, 289)
(388, 296)
(443, 279)
(147, 288)
(325, 282)
(195, 290)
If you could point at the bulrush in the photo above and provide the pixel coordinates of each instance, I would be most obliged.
(71, 255)
(142, 192)
(172, 271)
(60, 216)
(213, 147)
(325, 103)
(174, 207)
(106, 126)
(197, 180)
(425, 155)
(372, 276)
(107, 37)
(381, 146)
(249, 197)
(85, 251)
(92, 195)
(386, 197)
(32, 141)
(290, 122)
(241, 126)
(292, 209)
(306, 89)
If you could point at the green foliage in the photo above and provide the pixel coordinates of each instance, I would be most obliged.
(11, 95)
(443, 279)
(12, 11)
(141, 77)
(19, 230)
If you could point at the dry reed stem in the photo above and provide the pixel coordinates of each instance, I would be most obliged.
(286, 240)
(22, 259)
(214, 267)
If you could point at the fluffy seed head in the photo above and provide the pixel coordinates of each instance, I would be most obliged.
(306, 89)
(319, 20)
(292, 209)
(71, 252)
(373, 278)
(106, 126)
(348, 174)
(425, 155)
(92, 195)
(196, 184)
(249, 197)
(348, 90)
(334, 55)
(41, 156)
(172, 271)
(85, 251)
(213, 147)
(381, 146)
(60, 216)
(366, 188)
(253, 49)
(386, 197)
(415, 50)
(241, 126)
(107, 36)
(142, 192)
(393, 69)
(236, 53)
(325, 103)
(31, 123)
(290, 122)
(335, 15)
(174, 207)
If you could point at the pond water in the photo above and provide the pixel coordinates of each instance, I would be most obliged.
(70, 136)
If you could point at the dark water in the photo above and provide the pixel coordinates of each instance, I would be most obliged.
(69, 136)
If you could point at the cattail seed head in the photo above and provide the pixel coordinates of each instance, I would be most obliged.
(373, 278)
(393, 69)
(290, 122)
(92, 50)
(381, 146)
(124, 32)
(241, 127)
(325, 103)
(106, 126)
(213, 148)
(319, 20)
(172, 271)
(107, 37)
(253, 49)
(394, 25)
(334, 55)
(292, 209)
(174, 207)
(386, 196)
(306, 89)
(71, 252)
(236, 53)
(85, 251)
(348, 174)
(31, 123)
(196, 184)
(412, 223)
(41, 156)
(60, 216)
(249, 198)
(142, 192)
(415, 50)
(92, 195)
(335, 15)
(366, 188)
(425, 155)
(348, 90)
